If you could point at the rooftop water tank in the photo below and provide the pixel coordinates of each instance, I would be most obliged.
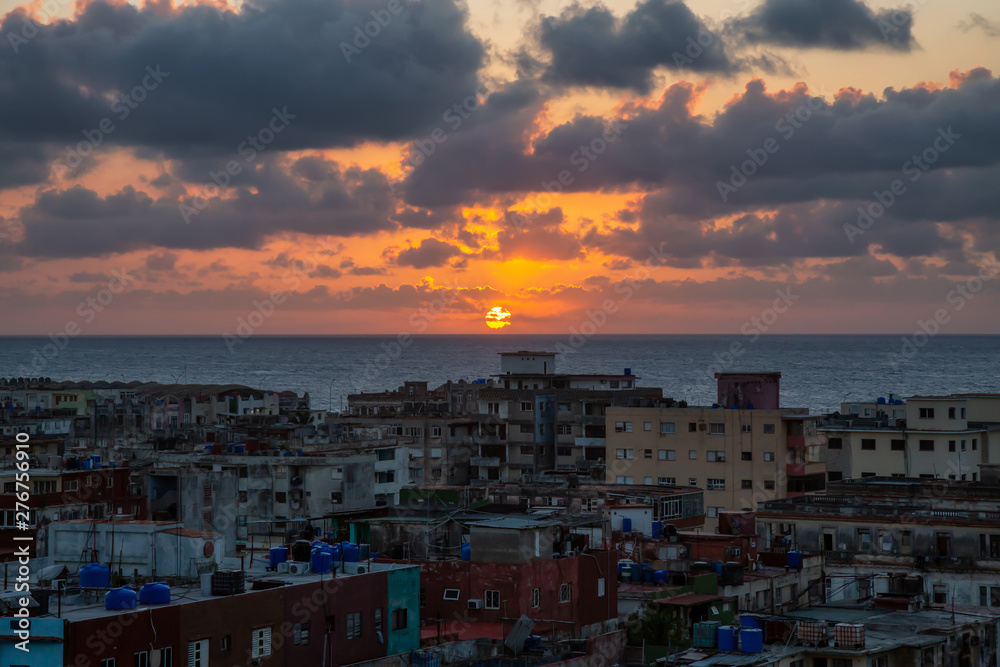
(727, 638)
(277, 555)
(120, 598)
(794, 559)
(95, 575)
(158, 593)
(467, 553)
(322, 561)
(351, 553)
(657, 529)
(748, 621)
(752, 640)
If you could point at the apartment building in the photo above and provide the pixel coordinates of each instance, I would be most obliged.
(942, 536)
(948, 437)
(742, 454)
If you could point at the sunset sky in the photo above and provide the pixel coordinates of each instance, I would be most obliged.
(376, 179)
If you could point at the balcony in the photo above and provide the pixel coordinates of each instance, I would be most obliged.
(805, 469)
(795, 441)
(590, 442)
(485, 461)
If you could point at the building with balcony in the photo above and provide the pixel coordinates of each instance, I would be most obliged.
(741, 454)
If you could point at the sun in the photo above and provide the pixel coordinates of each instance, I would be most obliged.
(498, 317)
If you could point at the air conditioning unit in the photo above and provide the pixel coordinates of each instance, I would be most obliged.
(295, 567)
(283, 567)
(475, 604)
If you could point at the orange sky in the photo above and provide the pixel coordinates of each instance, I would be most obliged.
(362, 282)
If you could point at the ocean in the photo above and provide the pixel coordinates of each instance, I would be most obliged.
(818, 371)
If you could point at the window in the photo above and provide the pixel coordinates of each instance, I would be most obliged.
(354, 625)
(385, 477)
(623, 427)
(692, 481)
(692, 427)
(300, 634)
(835, 443)
(564, 451)
(975, 444)
(667, 481)
(648, 481)
(667, 455)
(197, 654)
(692, 454)
(881, 661)
(493, 408)
(527, 406)
(667, 428)
(769, 484)
(624, 454)
(110, 662)
(927, 413)
(834, 476)
(868, 443)
(864, 539)
(647, 426)
(940, 590)
(600, 588)
(492, 599)
(927, 445)
(260, 645)
(565, 593)
(435, 431)
(280, 497)
(719, 457)
(717, 429)
(624, 479)
(536, 598)
(378, 619)
(716, 484)
(963, 413)
(564, 429)
(868, 474)
(243, 496)
(951, 445)
(746, 456)
(768, 456)
(399, 619)
(897, 445)
(746, 428)
(746, 484)
(768, 429)
(167, 656)
(226, 642)
(72, 485)
(951, 413)
(843, 662)
(451, 593)
(140, 659)
(527, 428)
(386, 455)
(647, 453)
(527, 450)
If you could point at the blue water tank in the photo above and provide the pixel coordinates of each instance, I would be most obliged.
(95, 575)
(158, 593)
(95, 461)
(626, 524)
(277, 555)
(230, 446)
(718, 568)
(466, 551)
(300, 452)
(336, 553)
(752, 640)
(351, 553)
(657, 529)
(240, 449)
(661, 576)
(880, 401)
(748, 621)
(120, 598)
(322, 560)
(727, 638)
(647, 573)
(208, 448)
(794, 559)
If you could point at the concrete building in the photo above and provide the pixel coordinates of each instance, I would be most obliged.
(281, 620)
(949, 437)
(941, 534)
(741, 455)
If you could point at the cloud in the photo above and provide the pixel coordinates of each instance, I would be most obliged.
(843, 25)
(537, 236)
(161, 261)
(590, 47)
(429, 253)
(222, 71)
(979, 22)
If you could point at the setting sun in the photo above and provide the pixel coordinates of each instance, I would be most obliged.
(498, 317)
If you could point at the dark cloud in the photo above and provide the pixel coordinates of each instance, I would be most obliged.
(161, 261)
(537, 236)
(77, 222)
(844, 25)
(430, 253)
(222, 72)
(590, 47)
(979, 22)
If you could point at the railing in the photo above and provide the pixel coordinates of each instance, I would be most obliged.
(485, 461)
(591, 442)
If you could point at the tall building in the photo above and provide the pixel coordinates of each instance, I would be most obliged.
(743, 450)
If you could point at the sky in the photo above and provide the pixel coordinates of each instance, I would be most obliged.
(404, 166)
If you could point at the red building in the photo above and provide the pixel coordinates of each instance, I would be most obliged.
(61, 495)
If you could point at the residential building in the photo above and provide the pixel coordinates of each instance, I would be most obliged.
(740, 455)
